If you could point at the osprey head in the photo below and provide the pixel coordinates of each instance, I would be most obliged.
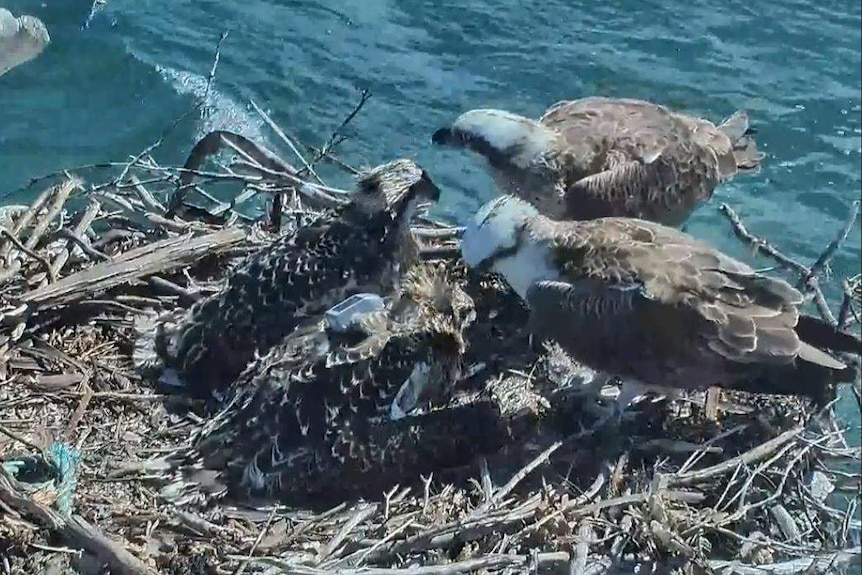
(495, 232)
(437, 303)
(438, 314)
(502, 137)
(396, 187)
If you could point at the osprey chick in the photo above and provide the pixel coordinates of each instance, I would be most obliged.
(361, 247)
(314, 416)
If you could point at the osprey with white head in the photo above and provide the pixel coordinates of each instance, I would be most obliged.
(599, 157)
(501, 136)
(655, 306)
(499, 239)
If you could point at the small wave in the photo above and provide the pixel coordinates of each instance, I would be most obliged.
(222, 112)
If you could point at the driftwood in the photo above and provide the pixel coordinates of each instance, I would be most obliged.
(164, 256)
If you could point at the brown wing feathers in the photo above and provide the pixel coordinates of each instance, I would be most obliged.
(700, 298)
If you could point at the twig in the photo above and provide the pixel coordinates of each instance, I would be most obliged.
(761, 244)
(486, 564)
(38, 257)
(329, 157)
(820, 301)
(823, 261)
(23, 441)
(78, 414)
(25, 219)
(275, 128)
(501, 493)
(60, 198)
(92, 252)
(358, 517)
(747, 458)
(145, 196)
(222, 37)
(847, 306)
(363, 554)
(337, 137)
(818, 564)
(76, 531)
(157, 257)
(197, 106)
(173, 289)
(808, 281)
(76, 236)
(241, 569)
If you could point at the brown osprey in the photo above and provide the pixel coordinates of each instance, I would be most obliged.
(314, 417)
(358, 248)
(598, 157)
(655, 306)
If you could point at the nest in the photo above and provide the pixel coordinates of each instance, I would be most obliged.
(767, 486)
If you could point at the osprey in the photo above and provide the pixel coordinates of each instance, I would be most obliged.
(363, 246)
(656, 307)
(314, 417)
(598, 157)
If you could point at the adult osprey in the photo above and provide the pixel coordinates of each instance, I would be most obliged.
(598, 157)
(655, 306)
(21, 39)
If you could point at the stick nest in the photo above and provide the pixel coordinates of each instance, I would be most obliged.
(765, 486)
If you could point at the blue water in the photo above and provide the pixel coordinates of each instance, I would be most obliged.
(107, 91)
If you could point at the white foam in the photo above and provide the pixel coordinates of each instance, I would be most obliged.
(223, 111)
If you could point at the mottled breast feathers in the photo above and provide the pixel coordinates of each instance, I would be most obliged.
(360, 247)
(315, 409)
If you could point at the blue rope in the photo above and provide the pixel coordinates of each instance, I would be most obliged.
(66, 460)
(63, 462)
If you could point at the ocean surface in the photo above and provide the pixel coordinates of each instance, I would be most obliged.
(106, 90)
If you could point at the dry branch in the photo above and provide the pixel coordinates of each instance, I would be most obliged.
(808, 276)
(159, 257)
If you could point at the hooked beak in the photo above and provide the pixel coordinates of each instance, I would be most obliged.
(442, 136)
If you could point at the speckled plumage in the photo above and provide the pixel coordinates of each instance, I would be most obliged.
(313, 415)
(599, 157)
(651, 303)
(362, 247)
